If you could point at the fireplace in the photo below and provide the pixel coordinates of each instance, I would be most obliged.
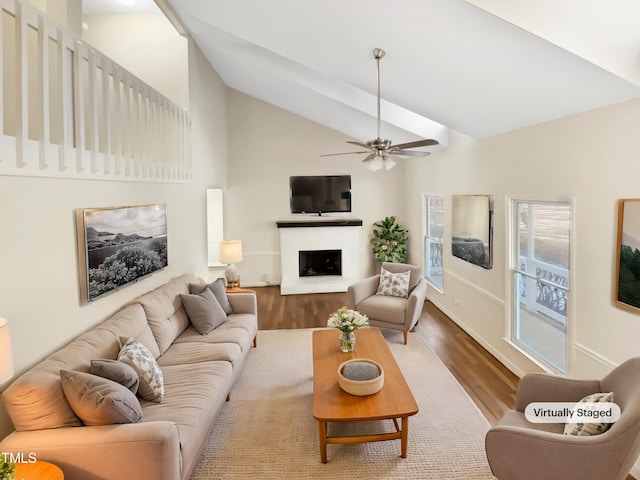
(336, 235)
(312, 263)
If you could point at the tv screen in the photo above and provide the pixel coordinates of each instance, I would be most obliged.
(320, 194)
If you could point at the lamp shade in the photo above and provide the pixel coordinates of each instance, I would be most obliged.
(231, 251)
(6, 359)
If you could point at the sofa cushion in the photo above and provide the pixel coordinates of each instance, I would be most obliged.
(394, 284)
(219, 291)
(35, 400)
(136, 355)
(164, 310)
(384, 308)
(116, 371)
(99, 401)
(188, 407)
(204, 311)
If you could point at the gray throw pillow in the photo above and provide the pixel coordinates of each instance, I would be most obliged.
(203, 310)
(136, 355)
(117, 371)
(99, 401)
(219, 291)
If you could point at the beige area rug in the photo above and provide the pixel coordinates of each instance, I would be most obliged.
(267, 431)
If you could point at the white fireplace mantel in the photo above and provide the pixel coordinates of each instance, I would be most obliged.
(296, 236)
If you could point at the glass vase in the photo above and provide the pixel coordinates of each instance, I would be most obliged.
(347, 341)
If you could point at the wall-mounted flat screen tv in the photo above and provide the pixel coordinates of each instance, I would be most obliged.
(118, 246)
(320, 194)
(472, 229)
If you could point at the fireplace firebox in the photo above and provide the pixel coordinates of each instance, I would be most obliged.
(319, 262)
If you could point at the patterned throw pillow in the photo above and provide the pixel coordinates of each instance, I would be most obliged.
(136, 355)
(394, 284)
(588, 429)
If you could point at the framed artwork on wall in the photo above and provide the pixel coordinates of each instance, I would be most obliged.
(118, 246)
(627, 291)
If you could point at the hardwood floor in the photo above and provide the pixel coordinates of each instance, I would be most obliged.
(491, 385)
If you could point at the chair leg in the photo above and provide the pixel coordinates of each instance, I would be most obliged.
(406, 335)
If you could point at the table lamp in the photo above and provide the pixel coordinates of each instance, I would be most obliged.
(6, 360)
(231, 253)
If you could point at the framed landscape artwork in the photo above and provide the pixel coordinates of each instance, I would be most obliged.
(118, 246)
(627, 292)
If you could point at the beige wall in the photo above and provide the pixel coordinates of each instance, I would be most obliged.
(266, 146)
(589, 158)
(39, 279)
(147, 46)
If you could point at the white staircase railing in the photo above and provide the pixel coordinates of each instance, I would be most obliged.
(67, 110)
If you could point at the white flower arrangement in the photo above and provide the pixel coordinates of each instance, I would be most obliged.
(347, 320)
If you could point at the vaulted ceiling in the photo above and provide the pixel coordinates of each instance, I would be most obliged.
(448, 64)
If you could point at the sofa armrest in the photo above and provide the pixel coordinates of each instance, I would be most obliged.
(244, 303)
(543, 387)
(415, 303)
(361, 290)
(529, 454)
(144, 451)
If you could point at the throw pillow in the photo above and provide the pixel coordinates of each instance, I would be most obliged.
(117, 371)
(219, 291)
(203, 310)
(394, 284)
(591, 428)
(99, 401)
(136, 355)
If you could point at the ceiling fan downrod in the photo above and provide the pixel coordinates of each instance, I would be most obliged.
(378, 53)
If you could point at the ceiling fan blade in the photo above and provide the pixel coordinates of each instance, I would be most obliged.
(410, 153)
(360, 144)
(345, 153)
(369, 158)
(419, 143)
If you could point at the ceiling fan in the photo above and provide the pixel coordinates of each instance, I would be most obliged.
(381, 151)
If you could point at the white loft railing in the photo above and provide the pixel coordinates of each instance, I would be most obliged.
(69, 111)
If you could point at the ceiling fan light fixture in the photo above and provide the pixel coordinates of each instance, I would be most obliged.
(389, 163)
(375, 164)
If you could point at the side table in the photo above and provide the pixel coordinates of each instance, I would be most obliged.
(239, 290)
(38, 471)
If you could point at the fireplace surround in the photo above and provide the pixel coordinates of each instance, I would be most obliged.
(337, 240)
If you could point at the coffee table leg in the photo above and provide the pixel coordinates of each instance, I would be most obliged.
(404, 437)
(322, 427)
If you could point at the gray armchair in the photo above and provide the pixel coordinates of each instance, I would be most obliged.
(518, 449)
(384, 311)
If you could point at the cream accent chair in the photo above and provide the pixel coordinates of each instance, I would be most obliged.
(517, 449)
(384, 311)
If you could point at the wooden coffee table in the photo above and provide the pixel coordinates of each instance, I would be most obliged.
(332, 404)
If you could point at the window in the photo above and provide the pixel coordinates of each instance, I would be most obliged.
(540, 266)
(434, 218)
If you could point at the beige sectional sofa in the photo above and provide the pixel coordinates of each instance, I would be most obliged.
(198, 372)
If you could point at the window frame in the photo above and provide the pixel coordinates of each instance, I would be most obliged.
(439, 287)
(511, 223)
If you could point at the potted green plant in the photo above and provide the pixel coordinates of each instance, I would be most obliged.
(389, 241)
(7, 470)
